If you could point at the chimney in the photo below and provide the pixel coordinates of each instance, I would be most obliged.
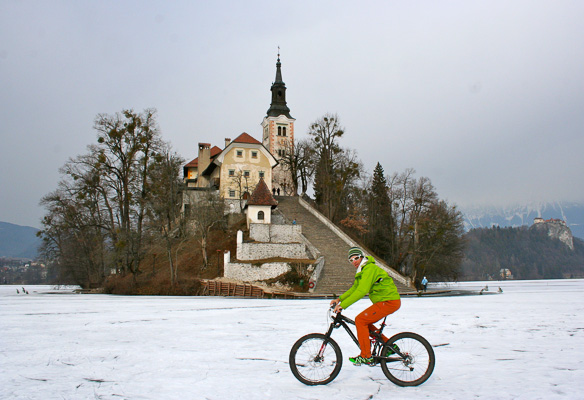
(204, 161)
(227, 141)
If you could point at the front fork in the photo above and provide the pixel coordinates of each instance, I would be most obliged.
(327, 337)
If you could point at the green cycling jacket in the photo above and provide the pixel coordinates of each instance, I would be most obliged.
(373, 280)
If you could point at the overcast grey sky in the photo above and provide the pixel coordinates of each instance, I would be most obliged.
(485, 98)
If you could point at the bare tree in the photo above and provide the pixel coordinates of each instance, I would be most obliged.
(126, 143)
(72, 236)
(299, 160)
(241, 181)
(346, 173)
(325, 133)
(440, 246)
(428, 232)
(207, 212)
(165, 201)
(102, 197)
(336, 169)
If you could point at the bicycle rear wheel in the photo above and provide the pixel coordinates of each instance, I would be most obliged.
(417, 363)
(314, 360)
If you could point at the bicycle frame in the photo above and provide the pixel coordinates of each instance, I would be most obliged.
(341, 321)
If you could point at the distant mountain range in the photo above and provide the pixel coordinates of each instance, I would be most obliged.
(18, 241)
(519, 215)
(21, 242)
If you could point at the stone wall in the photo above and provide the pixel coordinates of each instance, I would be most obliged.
(262, 251)
(275, 233)
(248, 272)
(269, 241)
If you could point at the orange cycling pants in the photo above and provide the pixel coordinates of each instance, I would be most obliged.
(365, 320)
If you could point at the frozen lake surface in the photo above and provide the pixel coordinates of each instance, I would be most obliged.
(526, 343)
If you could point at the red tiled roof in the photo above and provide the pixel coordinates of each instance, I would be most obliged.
(193, 164)
(245, 138)
(261, 196)
(214, 152)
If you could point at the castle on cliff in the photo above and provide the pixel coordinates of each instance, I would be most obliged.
(551, 220)
(555, 228)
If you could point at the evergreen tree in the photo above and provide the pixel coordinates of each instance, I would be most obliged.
(380, 226)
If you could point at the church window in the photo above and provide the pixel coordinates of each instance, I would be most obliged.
(284, 131)
(260, 215)
(279, 131)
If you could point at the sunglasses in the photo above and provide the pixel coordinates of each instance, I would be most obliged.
(354, 258)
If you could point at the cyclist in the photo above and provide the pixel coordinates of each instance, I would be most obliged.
(372, 280)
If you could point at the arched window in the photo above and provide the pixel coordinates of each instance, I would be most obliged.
(279, 131)
(260, 215)
(284, 131)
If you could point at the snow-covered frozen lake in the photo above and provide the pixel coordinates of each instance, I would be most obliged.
(526, 343)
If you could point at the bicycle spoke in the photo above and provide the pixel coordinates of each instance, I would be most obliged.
(316, 365)
(313, 362)
(417, 362)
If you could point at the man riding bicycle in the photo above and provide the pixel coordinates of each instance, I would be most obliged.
(372, 280)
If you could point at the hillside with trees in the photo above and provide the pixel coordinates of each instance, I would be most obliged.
(399, 217)
(526, 253)
(116, 219)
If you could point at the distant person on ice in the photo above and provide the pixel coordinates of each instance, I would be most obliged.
(382, 293)
(425, 283)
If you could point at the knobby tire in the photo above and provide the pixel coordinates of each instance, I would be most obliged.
(418, 365)
(312, 366)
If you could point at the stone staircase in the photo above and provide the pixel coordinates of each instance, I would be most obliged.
(338, 274)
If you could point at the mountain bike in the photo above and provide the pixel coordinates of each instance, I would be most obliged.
(407, 359)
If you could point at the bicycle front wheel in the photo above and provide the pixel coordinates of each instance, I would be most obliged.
(315, 360)
(410, 362)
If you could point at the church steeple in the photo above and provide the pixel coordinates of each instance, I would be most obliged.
(278, 133)
(278, 106)
(279, 71)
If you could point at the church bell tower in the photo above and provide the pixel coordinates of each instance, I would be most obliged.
(278, 133)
